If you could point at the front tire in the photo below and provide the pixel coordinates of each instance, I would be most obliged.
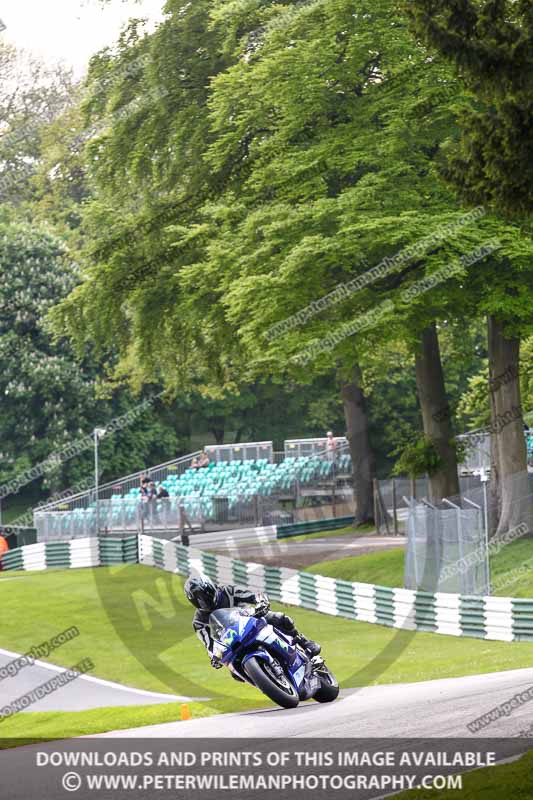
(281, 692)
(329, 690)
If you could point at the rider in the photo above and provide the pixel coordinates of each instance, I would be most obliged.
(206, 596)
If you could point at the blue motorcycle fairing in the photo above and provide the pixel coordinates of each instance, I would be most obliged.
(237, 635)
(262, 654)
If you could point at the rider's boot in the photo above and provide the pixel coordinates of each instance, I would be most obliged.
(312, 648)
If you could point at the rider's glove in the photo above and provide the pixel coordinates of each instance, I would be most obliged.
(262, 606)
(216, 663)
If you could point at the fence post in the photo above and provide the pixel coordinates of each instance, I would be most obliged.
(256, 510)
(376, 504)
(394, 517)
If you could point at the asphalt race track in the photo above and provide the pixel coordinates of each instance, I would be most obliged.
(296, 555)
(439, 708)
(83, 693)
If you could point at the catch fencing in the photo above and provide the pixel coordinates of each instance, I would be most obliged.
(438, 539)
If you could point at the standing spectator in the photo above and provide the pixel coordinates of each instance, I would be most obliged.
(145, 496)
(162, 493)
(162, 505)
(151, 508)
(331, 447)
(4, 547)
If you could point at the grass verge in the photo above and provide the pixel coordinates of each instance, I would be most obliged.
(135, 625)
(511, 569)
(29, 727)
(491, 783)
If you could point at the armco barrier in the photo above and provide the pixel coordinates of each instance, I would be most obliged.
(299, 528)
(499, 618)
(225, 540)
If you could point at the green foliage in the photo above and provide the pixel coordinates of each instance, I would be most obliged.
(31, 96)
(45, 395)
(418, 459)
(247, 159)
(50, 399)
(491, 43)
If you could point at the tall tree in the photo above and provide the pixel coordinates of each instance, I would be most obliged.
(273, 195)
(436, 417)
(295, 149)
(490, 43)
(31, 96)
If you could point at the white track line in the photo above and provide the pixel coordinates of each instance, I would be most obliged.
(102, 682)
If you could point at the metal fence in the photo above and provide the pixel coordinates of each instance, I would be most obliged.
(296, 448)
(477, 451)
(250, 451)
(172, 516)
(447, 548)
(392, 497)
(122, 487)
(477, 446)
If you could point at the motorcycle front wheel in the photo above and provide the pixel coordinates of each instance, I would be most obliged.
(279, 689)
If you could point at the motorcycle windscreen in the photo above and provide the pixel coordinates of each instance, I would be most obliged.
(226, 618)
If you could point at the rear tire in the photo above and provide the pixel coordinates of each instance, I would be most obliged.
(258, 672)
(329, 691)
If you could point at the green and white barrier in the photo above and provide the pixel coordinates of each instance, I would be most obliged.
(65, 555)
(90, 552)
(498, 618)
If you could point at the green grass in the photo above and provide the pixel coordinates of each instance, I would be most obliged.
(491, 783)
(511, 569)
(30, 727)
(142, 636)
(59, 725)
(364, 530)
(384, 568)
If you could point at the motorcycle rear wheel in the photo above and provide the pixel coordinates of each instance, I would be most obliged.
(282, 693)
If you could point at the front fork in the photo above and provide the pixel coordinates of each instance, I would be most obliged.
(300, 671)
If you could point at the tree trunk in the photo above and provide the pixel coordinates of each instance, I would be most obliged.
(436, 416)
(494, 494)
(217, 426)
(356, 416)
(507, 428)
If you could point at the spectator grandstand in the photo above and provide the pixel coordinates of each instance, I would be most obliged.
(243, 491)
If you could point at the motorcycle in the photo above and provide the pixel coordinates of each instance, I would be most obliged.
(257, 653)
